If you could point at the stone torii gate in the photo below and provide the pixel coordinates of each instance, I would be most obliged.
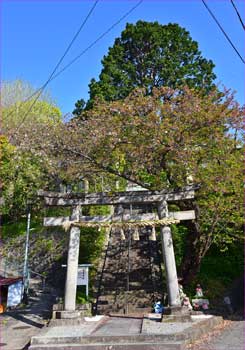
(158, 198)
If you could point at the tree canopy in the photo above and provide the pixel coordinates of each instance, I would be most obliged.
(169, 139)
(22, 172)
(148, 55)
(166, 139)
(17, 109)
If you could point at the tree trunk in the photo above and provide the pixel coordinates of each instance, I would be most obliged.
(197, 245)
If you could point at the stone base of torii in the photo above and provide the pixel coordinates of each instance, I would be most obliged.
(77, 200)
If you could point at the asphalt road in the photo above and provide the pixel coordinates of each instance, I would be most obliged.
(230, 338)
(18, 326)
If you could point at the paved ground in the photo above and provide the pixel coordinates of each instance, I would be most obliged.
(123, 333)
(119, 326)
(18, 326)
(232, 337)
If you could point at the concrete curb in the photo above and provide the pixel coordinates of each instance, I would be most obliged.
(203, 327)
(125, 346)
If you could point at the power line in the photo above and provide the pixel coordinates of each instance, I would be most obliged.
(223, 31)
(88, 47)
(98, 39)
(40, 91)
(238, 14)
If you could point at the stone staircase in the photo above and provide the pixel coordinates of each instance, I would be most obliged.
(131, 278)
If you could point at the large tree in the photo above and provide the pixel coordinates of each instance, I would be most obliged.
(148, 55)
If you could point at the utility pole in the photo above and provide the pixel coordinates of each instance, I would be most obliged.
(25, 268)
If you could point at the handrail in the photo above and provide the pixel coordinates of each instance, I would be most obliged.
(40, 275)
(37, 273)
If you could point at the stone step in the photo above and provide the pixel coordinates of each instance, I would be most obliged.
(121, 310)
(130, 297)
(145, 273)
(123, 295)
(123, 301)
(113, 346)
(107, 339)
(133, 289)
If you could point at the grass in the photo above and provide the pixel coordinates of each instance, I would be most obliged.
(81, 297)
(15, 229)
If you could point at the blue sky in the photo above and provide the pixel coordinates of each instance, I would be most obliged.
(35, 34)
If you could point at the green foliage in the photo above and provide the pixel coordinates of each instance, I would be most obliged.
(104, 182)
(215, 288)
(14, 107)
(91, 243)
(57, 211)
(80, 104)
(218, 270)
(91, 246)
(15, 229)
(45, 245)
(18, 90)
(13, 116)
(148, 55)
(170, 139)
(22, 171)
(22, 174)
(179, 233)
(81, 297)
(99, 210)
(224, 266)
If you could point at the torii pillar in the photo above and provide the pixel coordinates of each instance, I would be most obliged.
(169, 259)
(72, 265)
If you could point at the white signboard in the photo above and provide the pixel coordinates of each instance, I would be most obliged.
(14, 294)
(82, 276)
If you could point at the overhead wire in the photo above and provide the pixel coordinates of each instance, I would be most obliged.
(40, 90)
(223, 31)
(54, 76)
(238, 14)
(98, 39)
(95, 41)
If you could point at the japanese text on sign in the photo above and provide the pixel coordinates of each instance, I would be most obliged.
(82, 276)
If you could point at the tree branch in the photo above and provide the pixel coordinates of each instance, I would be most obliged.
(106, 168)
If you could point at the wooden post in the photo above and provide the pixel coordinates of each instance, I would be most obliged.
(169, 258)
